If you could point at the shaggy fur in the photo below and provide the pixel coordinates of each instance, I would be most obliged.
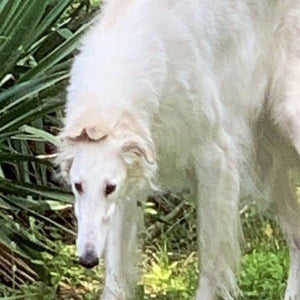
(172, 94)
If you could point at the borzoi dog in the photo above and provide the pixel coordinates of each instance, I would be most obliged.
(171, 94)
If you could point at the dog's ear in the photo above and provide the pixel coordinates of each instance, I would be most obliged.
(95, 133)
(137, 147)
(88, 133)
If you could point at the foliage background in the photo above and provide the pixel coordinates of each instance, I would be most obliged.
(38, 40)
(37, 43)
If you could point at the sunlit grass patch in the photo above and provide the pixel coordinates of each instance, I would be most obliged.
(169, 276)
(169, 263)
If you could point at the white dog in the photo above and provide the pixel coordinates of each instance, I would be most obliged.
(170, 94)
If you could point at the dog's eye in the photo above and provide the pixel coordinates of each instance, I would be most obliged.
(109, 189)
(78, 187)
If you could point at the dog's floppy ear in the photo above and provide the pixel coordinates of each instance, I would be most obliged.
(95, 133)
(88, 133)
(138, 147)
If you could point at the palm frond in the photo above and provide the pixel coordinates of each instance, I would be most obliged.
(37, 42)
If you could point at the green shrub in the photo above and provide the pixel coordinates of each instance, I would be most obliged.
(263, 274)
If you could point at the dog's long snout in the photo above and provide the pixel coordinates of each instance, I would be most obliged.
(89, 259)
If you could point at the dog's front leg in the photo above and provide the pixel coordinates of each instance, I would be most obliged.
(218, 223)
(121, 271)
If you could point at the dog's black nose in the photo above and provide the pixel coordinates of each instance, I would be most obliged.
(89, 259)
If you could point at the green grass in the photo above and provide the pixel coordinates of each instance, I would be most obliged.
(170, 264)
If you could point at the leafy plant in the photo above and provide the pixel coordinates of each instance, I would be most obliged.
(37, 41)
(68, 280)
(263, 275)
(167, 278)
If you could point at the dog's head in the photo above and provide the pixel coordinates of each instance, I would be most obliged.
(103, 168)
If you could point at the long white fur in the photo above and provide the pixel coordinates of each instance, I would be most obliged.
(195, 93)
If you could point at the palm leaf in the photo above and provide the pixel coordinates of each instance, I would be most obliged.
(37, 39)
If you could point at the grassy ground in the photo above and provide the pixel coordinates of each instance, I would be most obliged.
(170, 261)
